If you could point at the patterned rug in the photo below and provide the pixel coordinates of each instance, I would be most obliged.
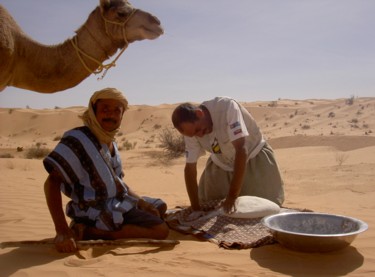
(227, 232)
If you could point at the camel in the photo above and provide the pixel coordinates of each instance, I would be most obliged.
(110, 27)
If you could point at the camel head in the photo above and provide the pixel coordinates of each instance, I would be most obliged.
(126, 24)
(27, 64)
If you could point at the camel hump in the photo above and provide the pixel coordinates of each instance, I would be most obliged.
(8, 29)
(8, 26)
(6, 34)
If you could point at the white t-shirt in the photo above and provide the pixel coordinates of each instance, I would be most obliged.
(231, 121)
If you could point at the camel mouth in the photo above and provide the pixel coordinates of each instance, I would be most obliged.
(153, 33)
(147, 33)
(152, 27)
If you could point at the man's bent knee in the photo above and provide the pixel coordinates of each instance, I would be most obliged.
(161, 231)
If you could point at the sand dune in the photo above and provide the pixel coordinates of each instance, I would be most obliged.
(326, 151)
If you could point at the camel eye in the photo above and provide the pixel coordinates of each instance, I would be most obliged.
(121, 14)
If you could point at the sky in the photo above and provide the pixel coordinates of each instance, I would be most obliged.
(251, 50)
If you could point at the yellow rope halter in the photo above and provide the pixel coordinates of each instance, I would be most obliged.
(102, 66)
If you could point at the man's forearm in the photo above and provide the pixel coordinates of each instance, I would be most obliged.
(54, 203)
(238, 173)
(192, 186)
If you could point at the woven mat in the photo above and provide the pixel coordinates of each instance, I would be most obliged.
(227, 232)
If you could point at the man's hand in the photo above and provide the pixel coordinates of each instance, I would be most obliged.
(65, 243)
(228, 205)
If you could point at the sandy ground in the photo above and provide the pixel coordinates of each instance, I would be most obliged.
(325, 148)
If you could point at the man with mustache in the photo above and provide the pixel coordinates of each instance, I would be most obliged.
(86, 166)
(241, 161)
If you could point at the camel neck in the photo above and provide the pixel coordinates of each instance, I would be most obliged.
(94, 42)
(58, 67)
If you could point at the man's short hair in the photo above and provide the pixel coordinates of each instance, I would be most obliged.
(184, 113)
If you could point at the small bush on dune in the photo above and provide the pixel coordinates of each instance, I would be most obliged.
(172, 142)
(128, 145)
(350, 100)
(6, 156)
(341, 158)
(57, 138)
(37, 152)
(331, 114)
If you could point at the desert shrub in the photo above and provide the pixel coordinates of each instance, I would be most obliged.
(341, 158)
(128, 145)
(350, 100)
(172, 142)
(37, 152)
(150, 140)
(6, 156)
(272, 104)
(331, 114)
(57, 138)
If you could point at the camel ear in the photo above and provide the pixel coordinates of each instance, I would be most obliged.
(105, 4)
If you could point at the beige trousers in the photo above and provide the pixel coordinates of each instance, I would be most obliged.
(262, 179)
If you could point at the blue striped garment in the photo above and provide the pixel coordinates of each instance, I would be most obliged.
(98, 194)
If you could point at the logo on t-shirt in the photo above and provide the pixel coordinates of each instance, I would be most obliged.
(234, 125)
(215, 147)
(236, 132)
(237, 128)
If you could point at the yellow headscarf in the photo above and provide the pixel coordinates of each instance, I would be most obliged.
(89, 118)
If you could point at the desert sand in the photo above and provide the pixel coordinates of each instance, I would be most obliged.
(325, 149)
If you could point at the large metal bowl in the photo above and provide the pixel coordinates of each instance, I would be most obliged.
(314, 232)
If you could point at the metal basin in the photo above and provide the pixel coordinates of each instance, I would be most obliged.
(314, 232)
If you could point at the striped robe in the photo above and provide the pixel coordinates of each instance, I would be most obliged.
(92, 179)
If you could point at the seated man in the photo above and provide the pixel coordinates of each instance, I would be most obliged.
(241, 161)
(86, 167)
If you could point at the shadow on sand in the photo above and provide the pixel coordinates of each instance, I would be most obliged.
(300, 264)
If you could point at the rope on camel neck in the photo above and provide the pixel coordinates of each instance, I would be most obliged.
(102, 66)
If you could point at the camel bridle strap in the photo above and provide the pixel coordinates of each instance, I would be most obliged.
(102, 66)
